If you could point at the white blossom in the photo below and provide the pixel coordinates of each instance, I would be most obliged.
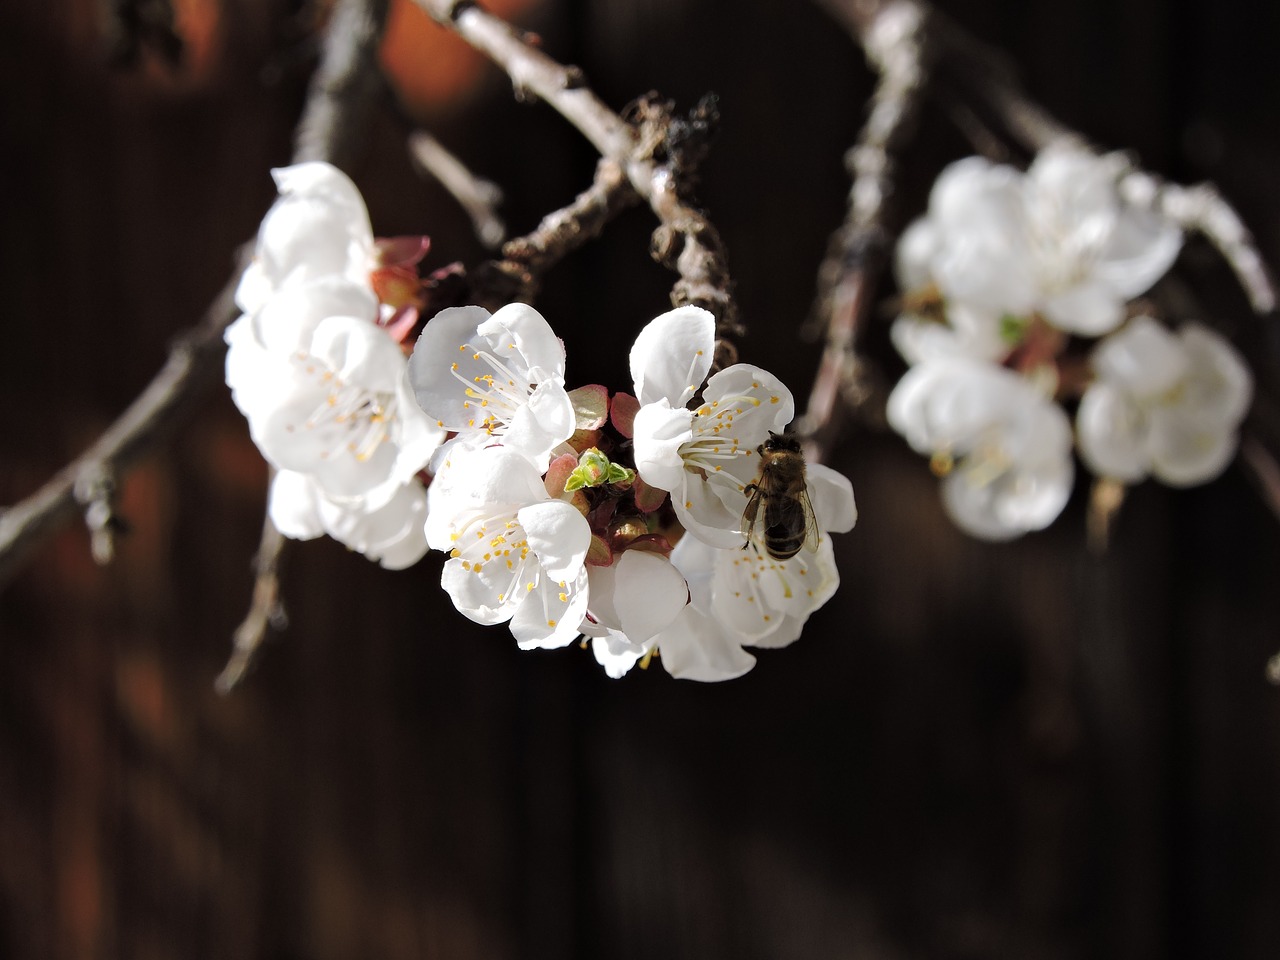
(741, 597)
(1165, 404)
(704, 457)
(319, 227)
(1003, 447)
(494, 379)
(515, 554)
(632, 600)
(1058, 240)
(1091, 252)
(326, 392)
(391, 534)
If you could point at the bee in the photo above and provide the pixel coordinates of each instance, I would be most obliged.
(780, 500)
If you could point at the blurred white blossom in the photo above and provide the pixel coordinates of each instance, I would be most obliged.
(1002, 447)
(1165, 404)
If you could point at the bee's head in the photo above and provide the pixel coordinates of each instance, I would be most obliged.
(779, 443)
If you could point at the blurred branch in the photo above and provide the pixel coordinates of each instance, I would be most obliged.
(685, 238)
(859, 250)
(1263, 468)
(331, 128)
(88, 482)
(266, 610)
(477, 196)
(895, 35)
(1202, 209)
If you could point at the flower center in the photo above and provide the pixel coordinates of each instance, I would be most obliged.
(494, 397)
(496, 544)
(713, 444)
(360, 418)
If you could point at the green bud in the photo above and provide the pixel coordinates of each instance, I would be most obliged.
(595, 470)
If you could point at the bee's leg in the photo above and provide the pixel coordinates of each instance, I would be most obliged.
(750, 489)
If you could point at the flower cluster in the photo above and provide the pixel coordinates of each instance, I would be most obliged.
(1003, 279)
(316, 365)
(570, 513)
(565, 513)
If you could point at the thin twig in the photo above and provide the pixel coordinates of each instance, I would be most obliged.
(331, 128)
(525, 259)
(894, 43)
(266, 611)
(1202, 209)
(477, 196)
(990, 78)
(685, 239)
(1264, 470)
(193, 366)
(847, 278)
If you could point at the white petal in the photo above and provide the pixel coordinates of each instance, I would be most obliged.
(1144, 359)
(659, 432)
(292, 505)
(968, 332)
(1111, 430)
(831, 494)
(702, 511)
(696, 562)
(482, 596)
(359, 353)
(616, 654)
(548, 617)
(442, 343)
(1090, 308)
(1222, 381)
(318, 227)
(603, 582)
(391, 534)
(1142, 247)
(695, 647)
(649, 594)
(1185, 452)
(1026, 497)
(914, 255)
(559, 535)
(288, 320)
(746, 403)
(672, 355)
(543, 423)
(519, 329)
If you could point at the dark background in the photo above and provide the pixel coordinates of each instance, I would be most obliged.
(1021, 751)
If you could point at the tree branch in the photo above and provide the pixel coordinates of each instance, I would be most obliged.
(89, 481)
(266, 610)
(331, 128)
(685, 238)
(893, 38)
(524, 259)
(893, 33)
(477, 196)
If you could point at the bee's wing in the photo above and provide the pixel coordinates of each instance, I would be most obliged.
(811, 532)
(751, 515)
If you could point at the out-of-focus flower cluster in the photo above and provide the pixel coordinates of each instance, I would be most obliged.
(1005, 279)
(617, 517)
